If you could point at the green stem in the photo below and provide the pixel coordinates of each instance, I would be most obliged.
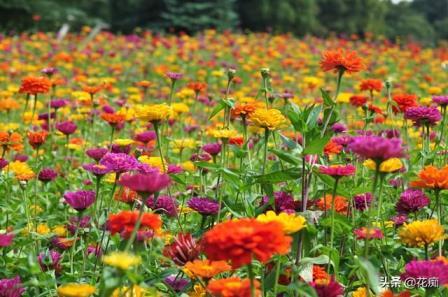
(338, 87)
(265, 153)
(277, 275)
(252, 279)
(336, 181)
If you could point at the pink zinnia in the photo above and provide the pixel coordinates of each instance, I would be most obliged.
(423, 116)
(337, 171)
(6, 239)
(376, 148)
(364, 233)
(146, 184)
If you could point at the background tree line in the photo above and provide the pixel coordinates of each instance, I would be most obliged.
(424, 20)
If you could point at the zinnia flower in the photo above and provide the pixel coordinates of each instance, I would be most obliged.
(76, 290)
(421, 233)
(403, 102)
(423, 116)
(411, 200)
(46, 175)
(80, 200)
(271, 119)
(341, 60)
(206, 268)
(204, 205)
(35, 85)
(365, 233)
(154, 113)
(362, 201)
(67, 127)
(376, 147)
(440, 100)
(96, 153)
(249, 238)
(146, 184)
(232, 287)
(121, 260)
(291, 223)
(431, 177)
(328, 288)
(164, 204)
(6, 239)
(283, 202)
(11, 287)
(119, 162)
(124, 222)
(183, 249)
(50, 260)
(338, 171)
(371, 85)
(388, 166)
(340, 203)
(436, 270)
(36, 139)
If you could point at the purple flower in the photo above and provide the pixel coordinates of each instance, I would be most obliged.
(165, 204)
(3, 163)
(11, 287)
(343, 140)
(284, 202)
(176, 283)
(339, 128)
(146, 184)
(21, 158)
(96, 153)
(440, 100)
(212, 148)
(200, 157)
(399, 219)
(146, 136)
(49, 71)
(80, 200)
(376, 147)
(119, 162)
(6, 239)
(94, 250)
(96, 169)
(411, 201)
(332, 289)
(396, 182)
(67, 127)
(203, 205)
(50, 260)
(47, 175)
(423, 116)
(362, 201)
(58, 103)
(174, 169)
(390, 133)
(124, 149)
(75, 222)
(426, 269)
(174, 75)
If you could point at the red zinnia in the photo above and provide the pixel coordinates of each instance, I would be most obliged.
(341, 60)
(404, 101)
(35, 85)
(124, 223)
(36, 139)
(358, 100)
(249, 239)
(371, 85)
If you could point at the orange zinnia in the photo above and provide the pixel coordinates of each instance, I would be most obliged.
(206, 268)
(431, 177)
(11, 141)
(35, 85)
(232, 287)
(341, 60)
(371, 85)
(340, 203)
(124, 222)
(332, 148)
(243, 110)
(197, 87)
(249, 239)
(92, 89)
(113, 119)
(36, 139)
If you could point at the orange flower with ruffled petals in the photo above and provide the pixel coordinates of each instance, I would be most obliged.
(249, 239)
(113, 119)
(340, 203)
(431, 177)
(243, 110)
(36, 139)
(206, 268)
(341, 60)
(35, 85)
(11, 141)
(371, 85)
(232, 287)
(124, 222)
(403, 102)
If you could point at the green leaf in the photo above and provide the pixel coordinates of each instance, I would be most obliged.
(316, 146)
(370, 273)
(220, 106)
(287, 157)
(279, 176)
(327, 99)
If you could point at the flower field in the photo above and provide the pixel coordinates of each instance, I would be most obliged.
(222, 165)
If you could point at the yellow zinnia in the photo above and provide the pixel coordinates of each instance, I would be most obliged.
(390, 165)
(21, 170)
(121, 260)
(421, 233)
(154, 113)
(135, 291)
(291, 223)
(271, 119)
(76, 290)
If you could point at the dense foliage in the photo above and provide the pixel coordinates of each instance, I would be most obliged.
(422, 19)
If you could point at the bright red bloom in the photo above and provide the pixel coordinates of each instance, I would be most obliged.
(35, 85)
(341, 60)
(232, 287)
(36, 139)
(371, 85)
(249, 239)
(237, 140)
(404, 101)
(358, 100)
(124, 222)
(183, 249)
